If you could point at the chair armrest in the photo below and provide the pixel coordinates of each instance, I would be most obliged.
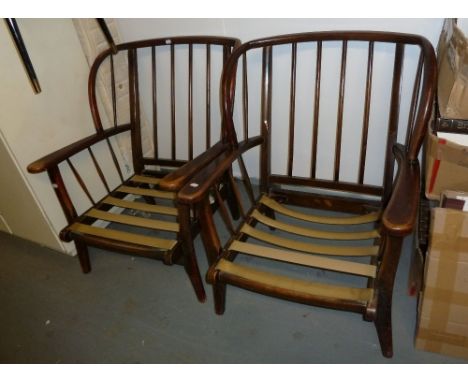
(202, 181)
(62, 154)
(176, 179)
(400, 214)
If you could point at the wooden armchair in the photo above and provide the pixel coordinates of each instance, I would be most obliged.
(191, 118)
(283, 236)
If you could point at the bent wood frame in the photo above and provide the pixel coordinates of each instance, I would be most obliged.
(143, 182)
(398, 197)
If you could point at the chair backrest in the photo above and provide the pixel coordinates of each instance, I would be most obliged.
(175, 81)
(329, 112)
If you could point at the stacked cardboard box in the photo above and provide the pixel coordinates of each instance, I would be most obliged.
(443, 308)
(446, 167)
(443, 303)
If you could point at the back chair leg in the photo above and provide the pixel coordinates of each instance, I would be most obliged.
(148, 199)
(219, 293)
(231, 198)
(83, 256)
(271, 214)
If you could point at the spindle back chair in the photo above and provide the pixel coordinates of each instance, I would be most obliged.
(359, 245)
(115, 195)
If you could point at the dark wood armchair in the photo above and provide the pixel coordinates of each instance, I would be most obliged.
(159, 233)
(358, 242)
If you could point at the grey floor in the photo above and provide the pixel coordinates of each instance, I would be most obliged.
(136, 310)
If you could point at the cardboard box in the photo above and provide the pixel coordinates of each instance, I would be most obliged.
(446, 167)
(452, 57)
(443, 305)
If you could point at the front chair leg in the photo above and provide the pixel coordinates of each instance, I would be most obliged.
(190, 260)
(383, 323)
(83, 256)
(385, 279)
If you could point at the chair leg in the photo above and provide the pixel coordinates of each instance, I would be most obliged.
(83, 256)
(271, 214)
(191, 267)
(190, 260)
(383, 324)
(219, 293)
(385, 280)
(148, 199)
(231, 199)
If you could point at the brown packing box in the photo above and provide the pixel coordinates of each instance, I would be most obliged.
(452, 87)
(443, 305)
(446, 167)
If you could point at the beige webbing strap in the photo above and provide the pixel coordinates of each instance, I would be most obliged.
(300, 286)
(127, 237)
(309, 247)
(133, 220)
(303, 259)
(140, 206)
(146, 192)
(319, 234)
(361, 219)
(145, 179)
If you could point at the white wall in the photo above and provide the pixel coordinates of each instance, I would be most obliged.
(246, 29)
(35, 125)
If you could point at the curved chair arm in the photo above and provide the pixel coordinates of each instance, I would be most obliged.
(202, 181)
(53, 159)
(176, 179)
(400, 214)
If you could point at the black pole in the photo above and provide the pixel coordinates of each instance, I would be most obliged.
(107, 34)
(16, 35)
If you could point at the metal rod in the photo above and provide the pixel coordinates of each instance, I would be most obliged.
(107, 34)
(19, 43)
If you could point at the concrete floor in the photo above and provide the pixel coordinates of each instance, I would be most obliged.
(136, 310)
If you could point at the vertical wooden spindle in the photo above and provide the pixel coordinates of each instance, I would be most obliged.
(137, 155)
(393, 121)
(154, 99)
(245, 96)
(414, 100)
(190, 102)
(339, 124)
(318, 71)
(365, 124)
(265, 122)
(208, 96)
(114, 98)
(292, 107)
(173, 110)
